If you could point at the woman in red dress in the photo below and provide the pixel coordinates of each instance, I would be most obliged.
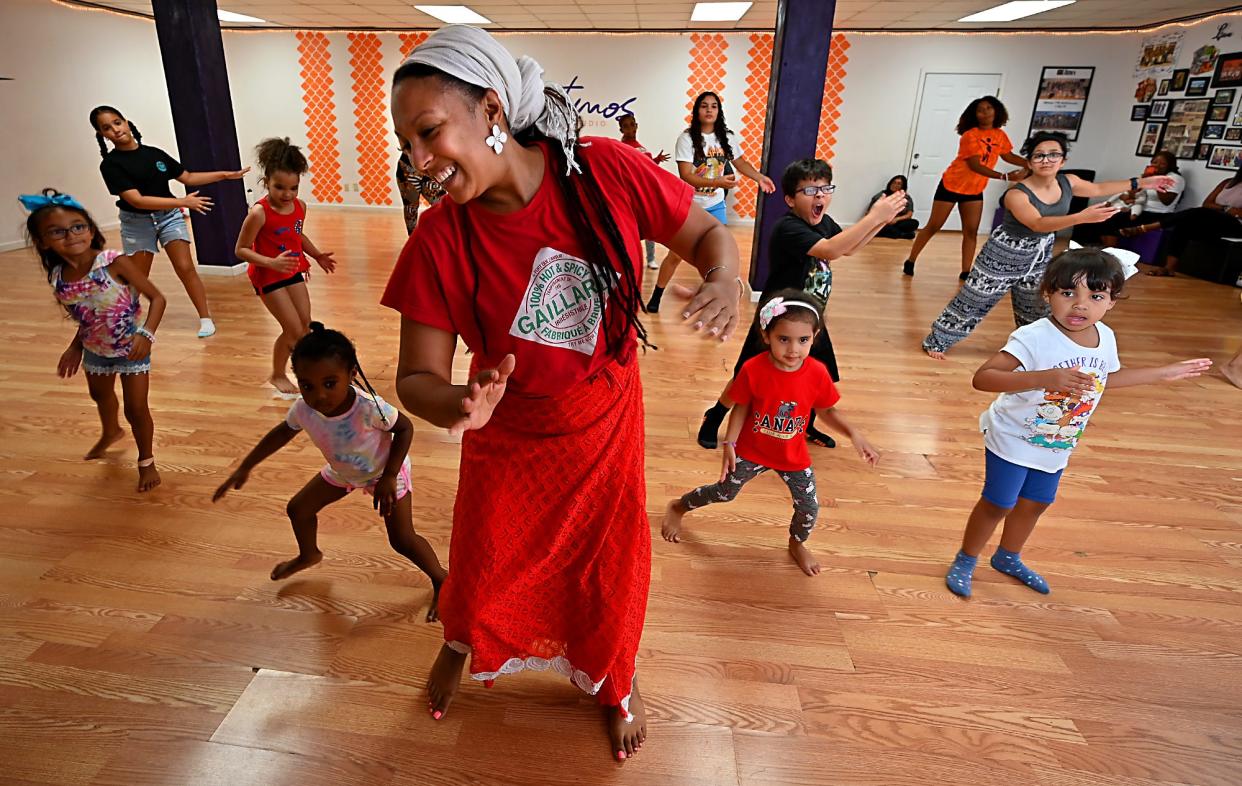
(531, 261)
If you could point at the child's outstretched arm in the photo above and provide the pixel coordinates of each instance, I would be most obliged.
(837, 422)
(385, 496)
(737, 419)
(273, 441)
(1186, 369)
(206, 178)
(1000, 375)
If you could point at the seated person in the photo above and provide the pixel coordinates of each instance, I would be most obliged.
(1220, 217)
(905, 224)
(1143, 206)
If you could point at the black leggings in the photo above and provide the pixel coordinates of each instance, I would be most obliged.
(1198, 223)
(905, 226)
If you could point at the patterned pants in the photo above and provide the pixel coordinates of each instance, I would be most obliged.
(1005, 264)
(801, 485)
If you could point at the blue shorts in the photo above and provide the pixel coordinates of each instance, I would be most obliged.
(1004, 482)
(151, 231)
(719, 212)
(98, 364)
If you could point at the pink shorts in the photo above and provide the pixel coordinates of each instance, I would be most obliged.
(403, 480)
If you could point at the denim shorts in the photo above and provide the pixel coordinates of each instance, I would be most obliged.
(1004, 482)
(719, 212)
(98, 364)
(151, 231)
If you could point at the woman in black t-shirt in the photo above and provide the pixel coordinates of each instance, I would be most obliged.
(151, 216)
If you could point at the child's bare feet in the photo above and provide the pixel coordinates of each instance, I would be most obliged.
(627, 738)
(284, 570)
(105, 442)
(1232, 371)
(671, 529)
(934, 354)
(283, 384)
(148, 478)
(805, 559)
(444, 680)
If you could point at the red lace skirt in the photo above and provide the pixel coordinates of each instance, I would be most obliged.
(550, 558)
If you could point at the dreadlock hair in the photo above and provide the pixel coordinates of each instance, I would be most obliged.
(277, 154)
(1099, 269)
(968, 120)
(103, 110)
(814, 317)
(323, 343)
(720, 128)
(50, 260)
(604, 248)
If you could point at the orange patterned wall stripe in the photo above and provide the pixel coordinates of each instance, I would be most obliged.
(708, 55)
(409, 41)
(754, 118)
(375, 179)
(834, 91)
(322, 150)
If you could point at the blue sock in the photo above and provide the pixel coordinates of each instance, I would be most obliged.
(1010, 563)
(960, 574)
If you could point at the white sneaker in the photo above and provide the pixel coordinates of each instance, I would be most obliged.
(653, 264)
(206, 328)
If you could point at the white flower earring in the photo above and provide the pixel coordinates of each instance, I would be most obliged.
(497, 140)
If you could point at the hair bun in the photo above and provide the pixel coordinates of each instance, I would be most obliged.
(317, 327)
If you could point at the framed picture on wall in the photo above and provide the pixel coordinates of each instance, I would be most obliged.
(1164, 88)
(1186, 118)
(1159, 110)
(1224, 96)
(1204, 150)
(1225, 157)
(1233, 134)
(1061, 100)
(1139, 112)
(1228, 70)
(1218, 114)
(1197, 87)
(1214, 131)
(1149, 139)
(1178, 81)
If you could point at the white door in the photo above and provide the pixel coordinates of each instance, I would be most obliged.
(944, 97)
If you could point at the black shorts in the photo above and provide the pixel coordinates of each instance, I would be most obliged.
(296, 278)
(945, 195)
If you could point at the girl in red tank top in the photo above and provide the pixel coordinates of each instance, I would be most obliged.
(272, 241)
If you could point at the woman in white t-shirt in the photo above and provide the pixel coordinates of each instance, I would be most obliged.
(707, 154)
(1219, 218)
(1151, 203)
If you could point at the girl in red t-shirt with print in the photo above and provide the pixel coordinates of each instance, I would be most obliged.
(772, 398)
(962, 184)
(272, 241)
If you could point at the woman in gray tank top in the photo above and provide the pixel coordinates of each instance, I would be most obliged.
(1017, 252)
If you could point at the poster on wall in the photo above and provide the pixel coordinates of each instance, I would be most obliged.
(1061, 100)
(1186, 117)
(1204, 60)
(1157, 54)
(1149, 139)
(1225, 157)
(1228, 70)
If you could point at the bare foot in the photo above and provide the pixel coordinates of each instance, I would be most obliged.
(1160, 272)
(627, 738)
(105, 441)
(148, 478)
(1233, 373)
(444, 680)
(805, 559)
(433, 611)
(680, 291)
(284, 570)
(933, 354)
(671, 529)
(283, 384)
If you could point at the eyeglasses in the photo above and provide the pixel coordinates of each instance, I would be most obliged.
(58, 233)
(1037, 157)
(813, 190)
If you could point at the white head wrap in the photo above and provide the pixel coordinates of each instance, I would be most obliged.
(475, 57)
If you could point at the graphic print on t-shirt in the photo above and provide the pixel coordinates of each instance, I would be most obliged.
(560, 308)
(1061, 418)
(819, 280)
(780, 424)
(712, 166)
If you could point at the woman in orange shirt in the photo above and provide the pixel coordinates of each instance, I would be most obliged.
(983, 143)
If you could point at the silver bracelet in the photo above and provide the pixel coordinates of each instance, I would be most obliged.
(711, 270)
(148, 335)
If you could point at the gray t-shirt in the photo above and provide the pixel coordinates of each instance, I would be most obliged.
(1016, 228)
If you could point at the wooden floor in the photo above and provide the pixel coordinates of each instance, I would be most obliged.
(142, 643)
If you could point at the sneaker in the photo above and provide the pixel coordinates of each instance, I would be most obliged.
(206, 328)
(908, 268)
(653, 264)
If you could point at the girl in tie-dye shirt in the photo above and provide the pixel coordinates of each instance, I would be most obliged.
(100, 290)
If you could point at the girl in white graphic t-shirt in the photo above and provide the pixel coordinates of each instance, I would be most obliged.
(707, 154)
(1051, 375)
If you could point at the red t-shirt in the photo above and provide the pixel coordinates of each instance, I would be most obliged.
(778, 404)
(534, 291)
(279, 233)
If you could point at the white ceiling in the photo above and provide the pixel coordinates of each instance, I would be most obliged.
(673, 15)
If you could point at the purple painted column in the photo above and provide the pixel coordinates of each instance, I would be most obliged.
(795, 98)
(202, 111)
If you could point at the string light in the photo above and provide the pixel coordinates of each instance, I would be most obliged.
(1233, 11)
